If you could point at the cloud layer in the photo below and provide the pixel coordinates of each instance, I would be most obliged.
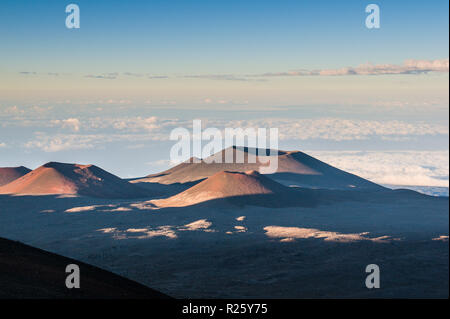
(96, 131)
(413, 168)
(408, 67)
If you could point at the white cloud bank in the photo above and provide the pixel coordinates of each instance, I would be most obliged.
(136, 129)
(337, 129)
(408, 168)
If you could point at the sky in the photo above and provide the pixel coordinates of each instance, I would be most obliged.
(110, 92)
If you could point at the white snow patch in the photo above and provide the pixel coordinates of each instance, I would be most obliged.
(240, 229)
(119, 209)
(291, 233)
(441, 238)
(166, 231)
(81, 209)
(198, 225)
(161, 231)
(48, 211)
(137, 230)
(107, 230)
(144, 205)
(110, 208)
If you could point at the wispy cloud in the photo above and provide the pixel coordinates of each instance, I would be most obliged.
(106, 76)
(223, 77)
(408, 67)
(156, 77)
(145, 75)
(27, 73)
(36, 73)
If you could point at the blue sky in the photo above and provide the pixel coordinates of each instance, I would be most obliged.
(136, 69)
(217, 36)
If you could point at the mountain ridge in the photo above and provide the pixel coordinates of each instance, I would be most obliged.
(9, 174)
(294, 168)
(73, 179)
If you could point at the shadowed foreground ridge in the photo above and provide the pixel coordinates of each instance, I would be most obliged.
(28, 272)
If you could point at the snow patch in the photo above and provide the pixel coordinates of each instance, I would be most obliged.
(240, 229)
(198, 225)
(107, 230)
(81, 209)
(441, 238)
(292, 233)
(48, 211)
(163, 231)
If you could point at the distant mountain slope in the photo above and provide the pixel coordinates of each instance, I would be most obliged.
(73, 179)
(238, 188)
(28, 272)
(9, 174)
(294, 167)
(428, 190)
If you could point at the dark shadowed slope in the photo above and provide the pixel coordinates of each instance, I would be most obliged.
(238, 188)
(27, 272)
(73, 179)
(9, 174)
(294, 167)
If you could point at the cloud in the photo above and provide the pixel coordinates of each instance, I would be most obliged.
(27, 73)
(408, 168)
(147, 75)
(137, 75)
(140, 129)
(72, 123)
(415, 168)
(12, 110)
(156, 77)
(36, 73)
(408, 67)
(162, 164)
(337, 129)
(136, 124)
(119, 102)
(2, 145)
(107, 76)
(223, 77)
(66, 142)
(61, 143)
